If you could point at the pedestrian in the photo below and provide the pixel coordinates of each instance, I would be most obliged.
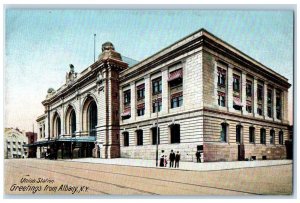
(165, 161)
(198, 156)
(172, 158)
(161, 161)
(177, 159)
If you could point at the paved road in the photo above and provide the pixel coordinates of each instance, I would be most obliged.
(61, 177)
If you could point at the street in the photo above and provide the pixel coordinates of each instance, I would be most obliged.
(40, 176)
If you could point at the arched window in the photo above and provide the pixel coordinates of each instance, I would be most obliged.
(139, 137)
(56, 126)
(272, 136)
(89, 117)
(224, 128)
(92, 118)
(281, 137)
(175, 133)
(262, 136)
(70, 121)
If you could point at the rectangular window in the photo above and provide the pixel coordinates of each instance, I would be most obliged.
(236, 83)
(249, 106)
(176, 100)
(126, 139)
(221, 99)
(156, 86)
(140, 109)
(249, 89)
(259, 92)
(238, 133)
(281, 137)
(175, 133)
(221, 77)
(262, 136)
(139, 137)
(156, 105)
(272, 137)
(259, 109)
(269, 97)
(154, 135)
(269, 111)
(223, 132)
(278, 105)
(251, 135)
(127, 97)
(140, 92)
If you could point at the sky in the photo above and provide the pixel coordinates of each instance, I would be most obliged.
(40, 44)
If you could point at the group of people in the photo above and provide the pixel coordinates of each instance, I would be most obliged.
(172, 158)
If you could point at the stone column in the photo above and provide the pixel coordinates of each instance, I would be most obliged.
(165, 91)
(148, 103)
(265, 100)
(132, 101)
(243, 84)
(230, 89)
(254, 97)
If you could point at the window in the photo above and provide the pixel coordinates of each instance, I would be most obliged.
(140, 109)
(249, 107)
(127, 97)
(141, 112)
(154, 135)
(126, 139)
(251, 135)
(269, 111)
(156, 105)
(156, 86)
(236, 83)
(262, 136)
(139, 137)
(175, 133)
(249, 89)
(221, 99)
(224, 132)
(176, 100)
(269, 100)
(238, 133)
(272, 136)
(278, 105)
(259, 109)
(141, 92)
(221, 77)
(259, 92)
(281, 137)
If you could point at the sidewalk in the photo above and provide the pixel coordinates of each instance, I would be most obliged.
(208, 166)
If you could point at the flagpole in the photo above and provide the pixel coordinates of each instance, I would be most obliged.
(94, 48)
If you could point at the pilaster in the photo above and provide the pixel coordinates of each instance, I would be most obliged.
(255, 97)
(165, 92)
(148, 103)
(132, 101)
(243, 86)
(265, 100)
(230, 89)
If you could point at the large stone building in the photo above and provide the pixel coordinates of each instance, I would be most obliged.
(14, 144)
(206, 94)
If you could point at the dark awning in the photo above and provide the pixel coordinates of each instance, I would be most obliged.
(77, 139)
(40, 143)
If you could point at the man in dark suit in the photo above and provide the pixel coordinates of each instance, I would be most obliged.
(172, 158)
(177, 159)
(198, 156)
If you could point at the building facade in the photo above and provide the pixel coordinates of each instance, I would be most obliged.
(32, 138)
(203, 93)
(14, 141)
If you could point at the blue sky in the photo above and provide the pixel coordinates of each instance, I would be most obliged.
(40, 44)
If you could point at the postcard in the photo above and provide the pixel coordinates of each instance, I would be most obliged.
(148, 102)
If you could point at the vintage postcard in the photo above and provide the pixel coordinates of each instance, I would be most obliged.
(148, 102)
